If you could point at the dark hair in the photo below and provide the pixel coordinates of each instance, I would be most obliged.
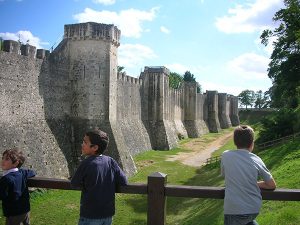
(100, 138)
(14, 155)
(243, 136)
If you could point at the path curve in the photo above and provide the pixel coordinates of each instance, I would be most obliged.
(200, 151)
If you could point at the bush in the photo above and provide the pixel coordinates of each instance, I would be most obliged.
(279, 124)
(180, 136)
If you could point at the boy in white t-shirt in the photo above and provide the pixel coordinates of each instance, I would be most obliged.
(242, 169)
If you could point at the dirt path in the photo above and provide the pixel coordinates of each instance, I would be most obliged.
(200, 150)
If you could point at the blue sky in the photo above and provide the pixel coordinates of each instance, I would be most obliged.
(217, 41)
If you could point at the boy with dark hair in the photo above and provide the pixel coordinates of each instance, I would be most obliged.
(241, 169)
(13, 188)
(97, 176)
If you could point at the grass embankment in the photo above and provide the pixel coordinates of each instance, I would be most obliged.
(61, 207)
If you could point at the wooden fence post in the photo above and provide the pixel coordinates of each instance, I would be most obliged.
(156, 199)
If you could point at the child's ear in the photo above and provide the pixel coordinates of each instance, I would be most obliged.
(95, 148)
(16, 163)
(251, 147)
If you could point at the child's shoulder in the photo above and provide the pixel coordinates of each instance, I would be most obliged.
(226, 152)
(27, 172)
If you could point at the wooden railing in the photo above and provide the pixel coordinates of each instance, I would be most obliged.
(213, 159)
(157, 190)
(277, 141)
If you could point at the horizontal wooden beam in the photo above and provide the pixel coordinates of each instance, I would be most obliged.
(194, 191)
(170, 190)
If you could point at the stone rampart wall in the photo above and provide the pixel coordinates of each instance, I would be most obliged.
(129, 114)
(48, 101)
(24, 113)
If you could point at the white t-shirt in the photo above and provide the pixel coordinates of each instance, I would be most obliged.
(241, 170)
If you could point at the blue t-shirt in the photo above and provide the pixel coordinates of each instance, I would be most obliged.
(98, 177)
(14, 192)
(242, 169)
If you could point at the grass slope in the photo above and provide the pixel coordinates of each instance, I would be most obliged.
(62, 207)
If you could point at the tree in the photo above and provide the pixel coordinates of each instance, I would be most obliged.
(284, 68)
(284, 71)
(247, 97)
(189, 77)
(199, 88)
(262, 100)
(120, 69)
(175, 80)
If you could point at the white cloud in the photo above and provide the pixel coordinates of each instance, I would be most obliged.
(250, 17)
(234, 89)
(249, 66)
(104, 2)
(221, 88)
(134, 56)
(128, 21)
(181, 69)
(270, 47)
(164, 30)
(25, 37)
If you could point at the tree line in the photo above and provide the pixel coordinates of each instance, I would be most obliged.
(284, 72)
(175, 80)
(254, 99)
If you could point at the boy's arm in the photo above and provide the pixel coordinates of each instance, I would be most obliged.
(30, 173)
(270, 184)
(27, 173)
(76, 180)
(268, 180)
(121, 178)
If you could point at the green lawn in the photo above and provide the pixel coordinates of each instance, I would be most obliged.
(62, 207)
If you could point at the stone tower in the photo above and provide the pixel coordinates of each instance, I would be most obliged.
(91, 52)
(155, 107)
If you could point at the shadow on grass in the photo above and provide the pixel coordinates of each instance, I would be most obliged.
(189, 210)
(137, 203)
(198, 211)
(277, 156)
(211, 214)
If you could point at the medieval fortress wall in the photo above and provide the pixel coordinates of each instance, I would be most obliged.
(49, 100)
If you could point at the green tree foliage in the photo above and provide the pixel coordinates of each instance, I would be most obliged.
(120, 69)
(199, 88)
(284, 68)
(284, 71)
(188, 76)
(175, 80)
(247, 98)
(279, 124)
(262, 100)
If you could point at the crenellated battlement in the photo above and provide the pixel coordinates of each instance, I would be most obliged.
(156, 69)
(90, 30)
(14, 47)
(128, 79)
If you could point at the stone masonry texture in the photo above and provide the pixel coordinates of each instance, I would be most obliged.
(49, 100)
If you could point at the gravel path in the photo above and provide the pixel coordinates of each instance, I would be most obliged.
(200, 150)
